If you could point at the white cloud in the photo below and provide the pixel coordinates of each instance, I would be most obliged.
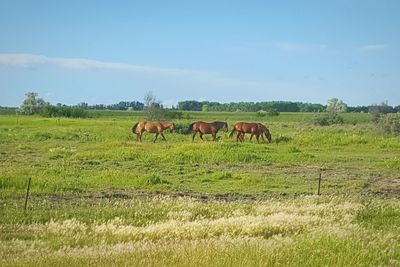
(373, 47)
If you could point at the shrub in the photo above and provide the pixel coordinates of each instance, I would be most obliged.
(283, 139)
(182, 128)
(261, 113)
(390, 123)
(328, 119)
(172, 114)
(63, 111)
(273, 112)
(378, 110)
(78, 112)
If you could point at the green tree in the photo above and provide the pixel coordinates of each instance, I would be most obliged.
(336, 106)
(32, 104)
(153, 107)
(204, 108)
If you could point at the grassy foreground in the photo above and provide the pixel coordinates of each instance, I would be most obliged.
(98, 197)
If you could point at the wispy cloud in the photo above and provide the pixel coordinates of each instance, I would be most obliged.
(206, 78)
(291, 47)
(31, 61)
(299, 47)
(373, 47)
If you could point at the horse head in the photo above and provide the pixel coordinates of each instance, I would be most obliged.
(268, 135)
(173, 127)
(225, 128)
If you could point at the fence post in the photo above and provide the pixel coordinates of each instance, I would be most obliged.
(319, 183)
(27, 193)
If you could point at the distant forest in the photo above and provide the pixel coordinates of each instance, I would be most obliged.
(193, 105)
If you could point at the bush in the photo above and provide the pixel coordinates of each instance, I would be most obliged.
(328, 119)
(261, 113)
(182, 128)
(378, 110)
(269, 112)
(63, 111)
(78, 113)
(172, 114)
(283, 139)
(390, 123)
(273, 112)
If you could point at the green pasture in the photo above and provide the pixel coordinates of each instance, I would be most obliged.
(100, 197)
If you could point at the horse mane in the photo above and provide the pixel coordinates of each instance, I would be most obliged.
(220, 124)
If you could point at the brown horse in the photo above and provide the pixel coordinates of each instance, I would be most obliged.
(256, 129)
(156, 127)
(264, 131)
(212, 128)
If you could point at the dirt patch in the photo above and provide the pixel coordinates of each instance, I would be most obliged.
(386, 186)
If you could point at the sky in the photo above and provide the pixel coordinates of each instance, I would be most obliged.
(226, 51)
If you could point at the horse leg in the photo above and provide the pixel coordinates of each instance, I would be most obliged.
(162, 135)
(193, 136)
(238, 137)
(262, 137)
(257, 137)
(155, 138)
(140, 136)
(201, 136)
(251, 136)
(214, 135)
(233, 130)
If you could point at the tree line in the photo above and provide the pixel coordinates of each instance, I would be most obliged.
(122, 105)
(35, 105)
(280, 106)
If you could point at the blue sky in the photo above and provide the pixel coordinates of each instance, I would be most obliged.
(108, 51)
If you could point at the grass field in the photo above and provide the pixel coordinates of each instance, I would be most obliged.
(99, 197)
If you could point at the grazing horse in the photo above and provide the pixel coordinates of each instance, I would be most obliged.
(212, 128)
(264, 131)
(256, 129)
(156, 127)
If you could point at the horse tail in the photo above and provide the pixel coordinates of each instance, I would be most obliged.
(134, 127)
(233, 130)
(190, 129)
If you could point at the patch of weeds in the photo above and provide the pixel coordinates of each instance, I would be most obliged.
(283, 139)
(294, 149)
(42, 136)
(153, 180)
(222, 175)
(249, 157)
(91, 162)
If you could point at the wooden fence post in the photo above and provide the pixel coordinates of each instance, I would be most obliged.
(27, 193)
(319, 183)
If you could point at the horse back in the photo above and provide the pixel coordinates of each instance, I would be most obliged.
(247, 127)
